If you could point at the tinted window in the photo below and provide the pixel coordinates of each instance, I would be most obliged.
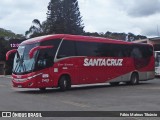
(147, 51)
(49, 52)
(102, 49)
(141, 51)
(87, 48)
(124, 50)
(113, 50)
(67, 49)
(136, 53)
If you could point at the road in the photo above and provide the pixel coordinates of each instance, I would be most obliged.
(142, 97)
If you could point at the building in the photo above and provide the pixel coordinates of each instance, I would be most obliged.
(154, 41)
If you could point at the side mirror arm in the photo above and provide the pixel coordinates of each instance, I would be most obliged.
(33, 50)
(10, 52)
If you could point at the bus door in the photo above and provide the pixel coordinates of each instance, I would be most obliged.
(45, 63)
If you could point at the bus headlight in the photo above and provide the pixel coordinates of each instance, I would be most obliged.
(20, 80)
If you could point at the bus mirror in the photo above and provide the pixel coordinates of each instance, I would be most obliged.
(10, 52)
(33, 50)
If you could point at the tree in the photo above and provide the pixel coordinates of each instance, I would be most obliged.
(118, 36)
(7, 34)
(63, 16)
(54, 19)
(36, 29)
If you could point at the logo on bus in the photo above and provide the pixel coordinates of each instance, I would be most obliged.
(103, 62)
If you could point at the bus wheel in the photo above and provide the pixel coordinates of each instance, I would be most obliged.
(42, 89)
(134, 80)
(64, 83)
(114, 83)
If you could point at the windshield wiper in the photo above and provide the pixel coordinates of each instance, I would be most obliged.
(20, 64)
(17, 60)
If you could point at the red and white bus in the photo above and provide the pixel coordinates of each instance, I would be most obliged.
(63, 60)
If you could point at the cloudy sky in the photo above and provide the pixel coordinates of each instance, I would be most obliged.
(136, 16)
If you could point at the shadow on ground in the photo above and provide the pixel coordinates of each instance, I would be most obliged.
(77, 88)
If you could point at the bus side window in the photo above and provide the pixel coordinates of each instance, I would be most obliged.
(120, 54)
(87, 48)
(136, 53)
(45, 56)
(146, 51)
(67, 49)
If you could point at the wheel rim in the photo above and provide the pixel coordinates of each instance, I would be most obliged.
(135, 79)
(65, 83)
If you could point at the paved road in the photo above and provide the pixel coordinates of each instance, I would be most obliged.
(143, 97)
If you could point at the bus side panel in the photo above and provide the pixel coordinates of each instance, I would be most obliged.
(95, 73)
(89, 72)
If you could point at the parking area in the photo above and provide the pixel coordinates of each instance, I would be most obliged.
(142, 97)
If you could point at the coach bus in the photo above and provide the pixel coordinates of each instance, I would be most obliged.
(157, 63)
(63, 60)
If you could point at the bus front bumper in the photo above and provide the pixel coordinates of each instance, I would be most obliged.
(24, 84)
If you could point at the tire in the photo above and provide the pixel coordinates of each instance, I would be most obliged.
(64, 83)
(42, 89)
(114, 83)
(134, 80)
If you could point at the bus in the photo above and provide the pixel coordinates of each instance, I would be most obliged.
(63, 60)
(157, 63)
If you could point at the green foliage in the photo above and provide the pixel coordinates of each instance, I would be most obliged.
(63, 17)
(37, 29)
(7, 34)
(117, 36)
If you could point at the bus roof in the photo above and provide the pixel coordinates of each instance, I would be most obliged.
(75, 38)
(42, 38)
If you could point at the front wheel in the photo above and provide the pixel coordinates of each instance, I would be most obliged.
(64, 83)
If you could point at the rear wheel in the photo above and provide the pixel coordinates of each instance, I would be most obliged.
(64, 83)
(134, 80)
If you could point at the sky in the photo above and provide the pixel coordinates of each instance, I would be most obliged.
(141, 17)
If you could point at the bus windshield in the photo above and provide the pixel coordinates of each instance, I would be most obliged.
(42, 58)
(22, 61)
